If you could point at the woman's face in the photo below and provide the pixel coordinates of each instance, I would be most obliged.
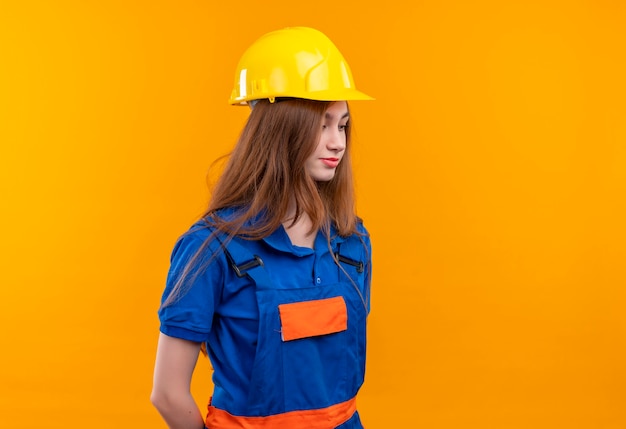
(321, 165)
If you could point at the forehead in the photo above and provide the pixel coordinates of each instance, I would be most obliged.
(338, 109)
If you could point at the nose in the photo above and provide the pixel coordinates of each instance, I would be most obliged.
(336, 140)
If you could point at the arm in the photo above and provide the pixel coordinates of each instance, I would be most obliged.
(171, 396)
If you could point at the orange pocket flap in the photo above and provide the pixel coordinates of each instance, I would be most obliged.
(311, 318)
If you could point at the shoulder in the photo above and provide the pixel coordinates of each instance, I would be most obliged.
(360, 227)
(357, 245)
(206, 228)
(197, 234)
(363, 235)
(200, 243)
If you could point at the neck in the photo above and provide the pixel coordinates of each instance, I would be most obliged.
(299, 232)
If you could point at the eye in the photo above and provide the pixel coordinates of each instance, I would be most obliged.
(343, 128)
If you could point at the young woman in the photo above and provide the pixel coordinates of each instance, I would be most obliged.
(273, 282)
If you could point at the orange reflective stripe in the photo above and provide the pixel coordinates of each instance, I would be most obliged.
(310, 318)
(322, 418)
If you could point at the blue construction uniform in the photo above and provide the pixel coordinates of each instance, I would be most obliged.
(233, 306)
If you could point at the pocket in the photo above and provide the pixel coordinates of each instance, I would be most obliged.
(313, 318)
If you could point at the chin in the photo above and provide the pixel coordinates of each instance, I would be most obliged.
(324, 177)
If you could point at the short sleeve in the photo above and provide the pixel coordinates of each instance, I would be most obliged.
(188, 314)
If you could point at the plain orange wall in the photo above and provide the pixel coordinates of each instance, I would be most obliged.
(491, 173)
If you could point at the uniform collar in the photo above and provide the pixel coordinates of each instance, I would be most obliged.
(280, 241)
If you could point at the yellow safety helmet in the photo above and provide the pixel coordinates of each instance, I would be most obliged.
(297, 62)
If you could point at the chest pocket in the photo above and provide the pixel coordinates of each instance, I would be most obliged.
(313, 318)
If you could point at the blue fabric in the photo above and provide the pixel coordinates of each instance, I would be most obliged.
(255, 372)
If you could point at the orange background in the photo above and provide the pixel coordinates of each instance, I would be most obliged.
(491, 173)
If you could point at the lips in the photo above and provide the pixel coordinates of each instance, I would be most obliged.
(330, 162)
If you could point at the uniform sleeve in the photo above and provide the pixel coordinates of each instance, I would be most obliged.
(188, 313)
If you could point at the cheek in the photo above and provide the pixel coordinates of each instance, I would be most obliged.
(320, 144)
(310, 162)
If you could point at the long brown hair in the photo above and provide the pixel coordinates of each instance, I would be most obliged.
(266, 173)
(265, 176)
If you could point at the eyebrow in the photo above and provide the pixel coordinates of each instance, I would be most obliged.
(329, 116)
